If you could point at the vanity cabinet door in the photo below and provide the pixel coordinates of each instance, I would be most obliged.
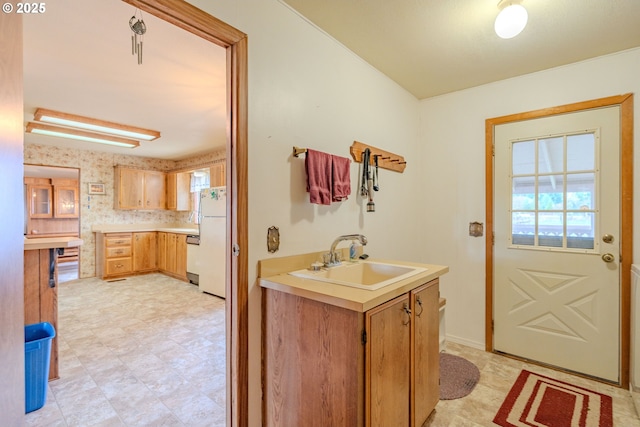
(387, 382)
(425, 363)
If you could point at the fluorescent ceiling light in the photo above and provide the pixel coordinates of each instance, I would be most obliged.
(87, 123)
(81, 135)
(511, 20)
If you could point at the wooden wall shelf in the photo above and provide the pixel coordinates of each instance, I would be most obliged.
(386, 160)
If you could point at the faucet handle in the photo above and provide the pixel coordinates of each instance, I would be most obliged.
(326, 258)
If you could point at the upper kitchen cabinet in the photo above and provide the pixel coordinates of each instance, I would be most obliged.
(139, 189)
(218, 175)
(179, 191)
(39, 197)
(65, 198)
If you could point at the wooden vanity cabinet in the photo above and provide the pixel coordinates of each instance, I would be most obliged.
(326, 365)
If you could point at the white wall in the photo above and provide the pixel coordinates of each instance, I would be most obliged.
(453, 147)
(307, 90)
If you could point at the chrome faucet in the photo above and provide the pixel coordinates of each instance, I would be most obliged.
(332, 258)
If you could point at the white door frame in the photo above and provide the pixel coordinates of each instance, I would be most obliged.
(626, 211)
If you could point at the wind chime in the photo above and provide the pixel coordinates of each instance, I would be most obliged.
(138, 27)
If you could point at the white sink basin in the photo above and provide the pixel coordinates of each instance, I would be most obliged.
(363, 274)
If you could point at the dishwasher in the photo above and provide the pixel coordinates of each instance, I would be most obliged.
(193, 258)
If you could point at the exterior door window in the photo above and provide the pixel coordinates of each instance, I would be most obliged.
(554, 183)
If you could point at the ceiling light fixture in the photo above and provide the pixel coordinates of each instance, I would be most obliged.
(87, 123)
(511, 20)
(44, 129)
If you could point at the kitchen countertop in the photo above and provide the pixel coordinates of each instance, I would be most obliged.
(132, 228)
(51, 243)
(347, 297)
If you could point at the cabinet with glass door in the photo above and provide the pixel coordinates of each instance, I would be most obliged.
(66, 201)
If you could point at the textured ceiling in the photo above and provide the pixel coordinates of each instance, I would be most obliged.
(433, 47)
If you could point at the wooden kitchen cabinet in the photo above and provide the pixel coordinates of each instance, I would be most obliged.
(179, 191)
(139, 189)
(40, 200)
(327, 365)
(144, 251)
(161, 251)
(66, 201)
(218, 175)
(172, 254)
(125, 254)
(113, 255)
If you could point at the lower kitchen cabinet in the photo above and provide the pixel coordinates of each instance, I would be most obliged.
(144, 251)
(327, 365)
(113, 255)
(124, 254)
(172, 254)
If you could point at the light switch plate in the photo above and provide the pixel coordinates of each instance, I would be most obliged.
(273, 239)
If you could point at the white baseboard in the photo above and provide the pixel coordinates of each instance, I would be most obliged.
(464, 341)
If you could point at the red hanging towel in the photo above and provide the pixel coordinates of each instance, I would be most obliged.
(341, 174)
(319, 182)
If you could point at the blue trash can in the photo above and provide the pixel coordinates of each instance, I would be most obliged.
(37, 356)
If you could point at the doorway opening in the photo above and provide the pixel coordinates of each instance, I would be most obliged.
(185, 16)
(51, 209)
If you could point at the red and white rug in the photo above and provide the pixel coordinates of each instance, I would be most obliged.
(539, 401)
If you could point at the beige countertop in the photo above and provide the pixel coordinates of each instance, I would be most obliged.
(51, 243)
(132, 228)
(347, 297)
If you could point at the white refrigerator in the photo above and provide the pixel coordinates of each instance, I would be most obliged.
(213, 236)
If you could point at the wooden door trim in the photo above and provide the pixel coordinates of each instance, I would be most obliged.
(626, 210)
(200, 23)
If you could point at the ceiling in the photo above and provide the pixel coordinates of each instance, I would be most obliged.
(433, 47)
(77, 59)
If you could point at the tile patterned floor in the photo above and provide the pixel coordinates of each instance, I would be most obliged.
(149, 351)
(497, 375)
(145, 351)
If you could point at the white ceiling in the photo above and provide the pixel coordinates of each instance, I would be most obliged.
(77, 59)
(433, 47)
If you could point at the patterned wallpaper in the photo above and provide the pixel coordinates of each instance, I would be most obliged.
(98, 167)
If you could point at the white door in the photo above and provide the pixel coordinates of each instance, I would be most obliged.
(556, 244)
